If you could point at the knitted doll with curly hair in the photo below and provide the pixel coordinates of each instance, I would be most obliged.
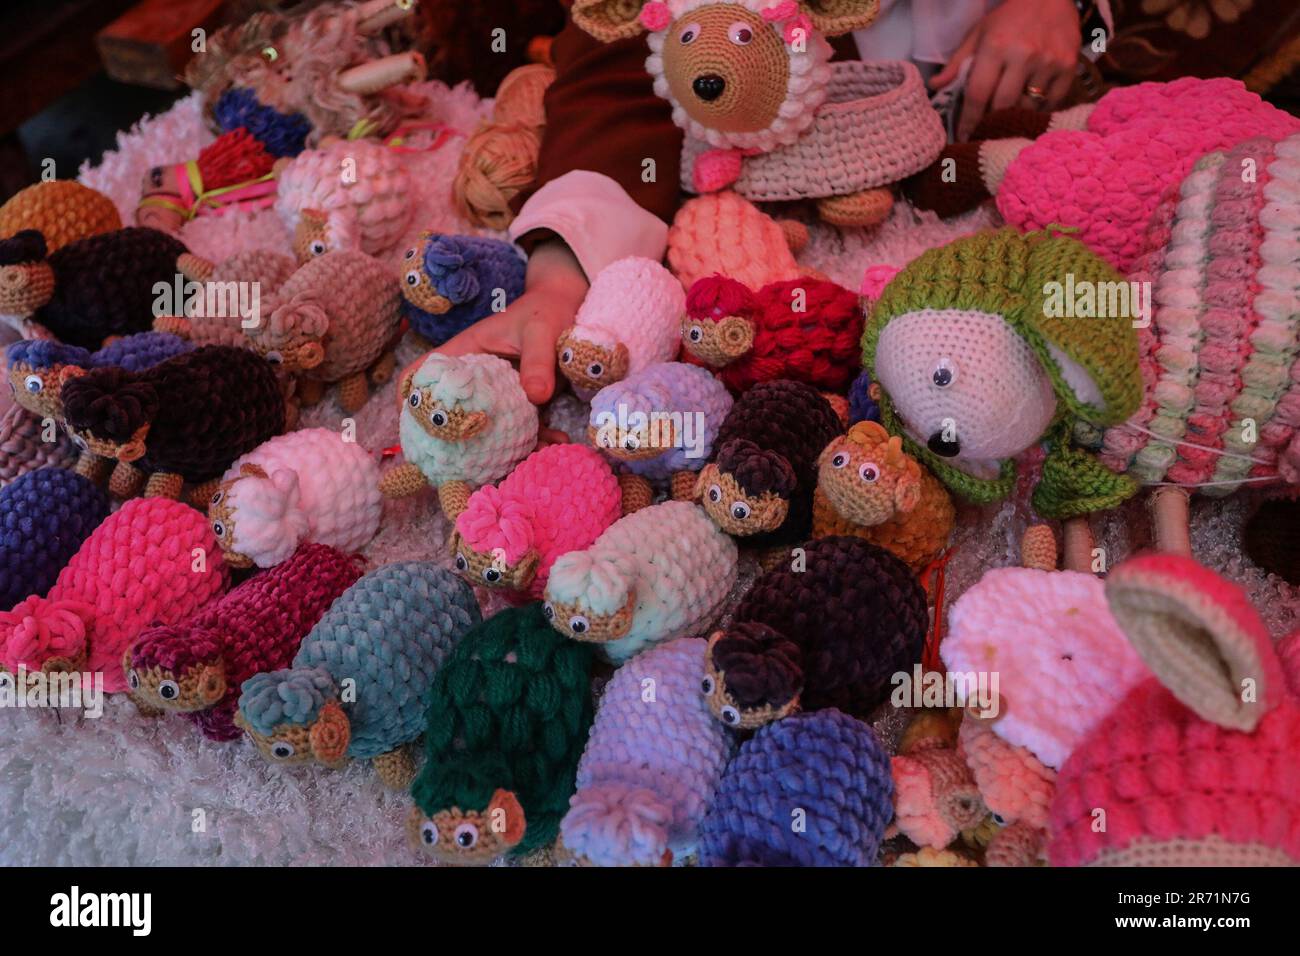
(195, 668)
(61, 210)
(450, 282)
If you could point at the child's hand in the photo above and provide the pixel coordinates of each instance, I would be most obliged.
(1020, 44)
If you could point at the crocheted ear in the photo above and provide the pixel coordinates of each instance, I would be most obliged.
(610, 20)
(1201, 637)
(833, 17)
(330, 734)
(504, 806)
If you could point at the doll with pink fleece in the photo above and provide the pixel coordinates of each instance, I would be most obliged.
(154, 561)
(559, 499)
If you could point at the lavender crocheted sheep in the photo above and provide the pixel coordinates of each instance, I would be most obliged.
(307, 485)
(652, 763)
(659, 573)
(813, 789)
(451, 282)
(630, 319)
(388, 634)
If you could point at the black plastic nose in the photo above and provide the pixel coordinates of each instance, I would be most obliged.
(709, 87)
(942, 447)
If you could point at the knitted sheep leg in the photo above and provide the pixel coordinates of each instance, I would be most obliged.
(1038, 548)
(383, 369)
(796, 234)
(453, 496)
(92, 466)
(353, 392)
(1078, 544)
(310, 392)
(1017, 845)
(866, 208)
(405, 479)
(683, 485)
(125, 481)
(637, 493)
(164, 484)
(396, 768)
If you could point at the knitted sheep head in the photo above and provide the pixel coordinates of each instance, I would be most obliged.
(484, 822)
(176, 668)
(432, 407)
(935, 796)
(591, 598)
(108, 411)
(438, 275)
(591, 358)
(273, 521)
(747, 74)
(753, 675)
(719, 325)
(49, 636)
(311, 236)
(747, 489)
(493, 541)
(37, 369)
(293, 336)
(867, 476)
(26, 278)
(295, 716)
(1017, 789)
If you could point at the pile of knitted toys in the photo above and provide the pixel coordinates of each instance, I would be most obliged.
(675, 637)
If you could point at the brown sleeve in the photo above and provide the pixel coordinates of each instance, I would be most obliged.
(602, 115)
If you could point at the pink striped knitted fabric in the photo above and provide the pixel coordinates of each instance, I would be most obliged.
(154, 560)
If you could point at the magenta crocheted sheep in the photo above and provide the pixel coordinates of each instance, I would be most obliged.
(630, 319)
(195, 668)
(560, 499)
(152, 561)
(307, 485)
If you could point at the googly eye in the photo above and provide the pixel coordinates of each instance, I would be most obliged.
(740, 34)
(715, 493)
(33, 383)
(217, 498)
(156, 177)
(840, 460)
(739, 510)
(491, 575)
(415, 398)
(466, 836)
(461, 563)
(707, 686)
(689, 34)
(413, 277)
(945, 373)
(999, 819)
(270, 54)
(566, 356)
(316, 247)
(595, 370)
(409, 254)
(579, 624)
(282, 750)
(439, 418)
(730, 716)
(219, 529)
(275, 358)
(869, 471)
(548, 611)
(428, 833)
(631, 442)
(80, 442)
(695, 333)
(606, 441)
(169, 690)
(133, 679)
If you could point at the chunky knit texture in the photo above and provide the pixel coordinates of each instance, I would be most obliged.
(724, 234)
(388, 633)
(935, 795)
(255, 627)
(282, 134)
(131, 352)
(804, 329)
(44, 517)
(23, 447)
(61, 210)
(259, 268)
(652, 763)
(561, 498)
(203, 409)
(315, 486)
(510, 709)
(668, 561)
(233, 172)
(808, 790)
(450, 282)
(1013, 783)
(153, 561)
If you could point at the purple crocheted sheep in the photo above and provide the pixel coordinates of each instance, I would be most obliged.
(451, 282)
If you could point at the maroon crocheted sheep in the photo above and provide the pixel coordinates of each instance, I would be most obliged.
(196, 668)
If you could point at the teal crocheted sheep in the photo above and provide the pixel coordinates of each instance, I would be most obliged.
(360, 683)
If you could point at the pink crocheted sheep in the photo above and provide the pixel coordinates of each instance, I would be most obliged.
(559, 499)
(1015, 787)
(260, 271)
(307, 485)
(152, 561)
(628, 320)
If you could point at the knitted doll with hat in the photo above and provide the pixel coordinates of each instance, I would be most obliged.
(809, 790)
(830, 630)
(233, 172)
(975, 358)
(45, 515)
(627, 321)
(465, 422)
(388, 634)
(651, 766)
(61, 210)
(759, 485)
(258, 269)
(450, 282)
(805, 329)
(148, 563)
(90, 289)
(508, 716)
(334, 320)
(1196, 765)
(185, 419)
(869, 487)
(660, 573)
(561, 498)
(195, 667)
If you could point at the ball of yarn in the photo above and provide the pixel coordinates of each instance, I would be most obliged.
(499, 160)
(62, 210)
(521, 94)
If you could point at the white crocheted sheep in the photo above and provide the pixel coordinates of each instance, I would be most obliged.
(465, 422)
(349, 194)
(308, 485)
(630, 318)
(659, 573)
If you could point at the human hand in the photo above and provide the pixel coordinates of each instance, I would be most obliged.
(1018, 44)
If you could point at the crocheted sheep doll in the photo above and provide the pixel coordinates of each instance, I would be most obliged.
(335, 320)
(307, 485)
(195, 667)
(465, 422)
(45, 515)
(659, 573)
(869, 487)
(808, 790)
(803, 329)
(185, 419)
(61, 210)
(388, 634)
(508, 716)
(660, 423)
(90, 289)
(261, 271)
(760, 484)
(652, 763)
(831, 630)
(349, 194)
(560, 498)
(1196, 765)
(150, 562)
(1016, 788)
(628, 320)
(450, 282)
(936, 797)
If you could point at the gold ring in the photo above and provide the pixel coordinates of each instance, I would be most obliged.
(1036, 93)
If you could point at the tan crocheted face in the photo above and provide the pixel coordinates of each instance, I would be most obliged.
(581, 624)
(469, 837)
(416, 287)
(491, 569)
(130, 450)
(727, 709)
(588, 365)
(195, 688)
(733, 509)
(633, 444)
(441, 422)
(718, 343)
(323, 741)
(867, 477)
(25, 287)
(311, 236)
(293, 351)
(38, 389)
(221, 517)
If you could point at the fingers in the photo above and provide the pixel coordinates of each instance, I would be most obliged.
(953, 66)
(1011, 85)
(485, 335)
(1060, 88)
(537, 362)
(980, 87)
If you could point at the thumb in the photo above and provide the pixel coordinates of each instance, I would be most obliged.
(959, 56)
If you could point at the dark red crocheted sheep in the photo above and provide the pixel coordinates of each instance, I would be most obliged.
(806, 329)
